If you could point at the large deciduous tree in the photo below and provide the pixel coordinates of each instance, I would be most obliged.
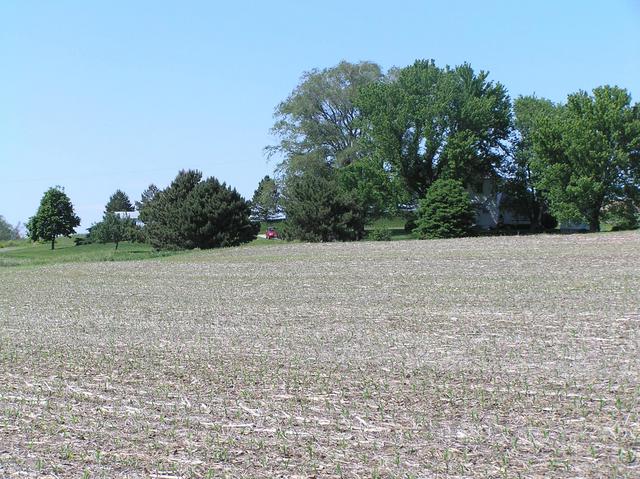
(320, 116)
(320, 122)
(55, 217)
(429, 123)
(375, 190)
(196, 213)
(587, 157)
(119, 201)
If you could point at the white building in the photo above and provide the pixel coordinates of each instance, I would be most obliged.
(491, 208)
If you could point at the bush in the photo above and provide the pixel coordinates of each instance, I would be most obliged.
(380, 234)
(445, 212)
(82, 240)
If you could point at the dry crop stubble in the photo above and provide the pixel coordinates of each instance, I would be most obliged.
(463, 358)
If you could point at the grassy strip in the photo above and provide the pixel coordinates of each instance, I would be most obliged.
(26, 253)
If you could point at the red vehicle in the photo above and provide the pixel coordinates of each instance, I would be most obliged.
(271, 233)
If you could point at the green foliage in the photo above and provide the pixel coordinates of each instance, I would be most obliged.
(432, 123)
(373, 188)
(55, 217)
(192, 213)
(318, 210)
(266, 200)
(113, 229)
(320, 117)
(119, 201)
(8, 232)
(445, 212)
(623, 215)
(587, 155)
(519, 183)
(380, 234)
(83, 240)
(146, 197)
(410, 224)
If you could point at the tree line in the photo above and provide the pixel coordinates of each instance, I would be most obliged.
(356, 144)
(191, 212)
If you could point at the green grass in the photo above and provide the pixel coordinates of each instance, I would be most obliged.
(13, 243)
(26, 253)
(395, 225)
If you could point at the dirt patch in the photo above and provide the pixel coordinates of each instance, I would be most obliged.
(487, 357)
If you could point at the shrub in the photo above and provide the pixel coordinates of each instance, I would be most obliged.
(445, 212)
(82, 240)
(380, 234)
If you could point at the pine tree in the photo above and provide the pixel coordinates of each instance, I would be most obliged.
(192, 213)
(119, 201)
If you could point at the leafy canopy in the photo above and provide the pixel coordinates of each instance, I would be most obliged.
(320, 116)
(522, 194)
(8, 232)
(55, 217)
(587, 155)
(113, 229)
(429, 123)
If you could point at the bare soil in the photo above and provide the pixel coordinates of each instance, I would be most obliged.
(484, 357)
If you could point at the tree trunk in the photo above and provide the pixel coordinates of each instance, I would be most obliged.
(116, 245)
(53, 242)
(594, 223)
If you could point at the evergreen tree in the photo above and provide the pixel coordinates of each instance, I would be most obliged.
(146, 197)
(119, 201)
(266, 200)
(192, 213)
(318, 210)
(445, 212)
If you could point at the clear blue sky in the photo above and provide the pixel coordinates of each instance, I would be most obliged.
(99, 95)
